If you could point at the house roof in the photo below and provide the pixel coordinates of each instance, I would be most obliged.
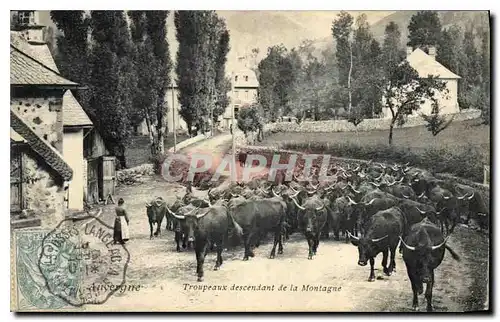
(73, 113)
(21, 131)
(426, 65)
(250, 82)
(16, 137)
(24, 70)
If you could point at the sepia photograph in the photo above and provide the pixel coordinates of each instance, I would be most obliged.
(250, 161)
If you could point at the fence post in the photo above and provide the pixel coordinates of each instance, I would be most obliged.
(486, 180)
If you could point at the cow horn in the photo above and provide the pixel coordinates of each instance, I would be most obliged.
(375, 184)
(412, 248)
(357, 168)
(343, 170)
(294, 191)
(180, 217)
(315, 188)
(297, 204)
(382, 166)
(379, 239)
(471, 196)
(352, 236)
(310, 192)
(439, 212)
(352, 201)
(446, 197)
(391, 184)
(198, 216)
(422, 195)
(208, 202)
(295, 195)
(371, 201)
(274, 193)
(356, 191)
(267, 190)
(440, 245)
(320, 208)
(148, 204)
(462, 197)
(348, 166)
(192, 210)
(421, 211)
(405, 196)
(209, 192)
(262, 190)
(406, 164)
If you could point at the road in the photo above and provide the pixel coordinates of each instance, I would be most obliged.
(167, 279)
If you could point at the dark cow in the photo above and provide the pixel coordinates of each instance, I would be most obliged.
(423, 252)
(180, 229)
(344, 217)
(208, 227)
(156, 210)
(257, 217)
(382, 235)
(312, 219)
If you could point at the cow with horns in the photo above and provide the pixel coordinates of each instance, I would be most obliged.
(382, 235)
(423, 252)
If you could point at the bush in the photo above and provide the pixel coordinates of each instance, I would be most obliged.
(465, 162)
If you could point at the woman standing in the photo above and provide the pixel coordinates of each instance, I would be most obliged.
(121, 233)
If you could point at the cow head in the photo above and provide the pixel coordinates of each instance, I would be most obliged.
(422, 253)
(310, 213)
(368, 247)
(189, 220)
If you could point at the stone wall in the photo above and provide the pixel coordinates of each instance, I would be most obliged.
(366, 125)
(43, 115)
(43, 196)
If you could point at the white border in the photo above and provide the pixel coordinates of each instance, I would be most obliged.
(199, 5)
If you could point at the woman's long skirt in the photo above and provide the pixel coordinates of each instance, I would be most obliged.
(121, 232)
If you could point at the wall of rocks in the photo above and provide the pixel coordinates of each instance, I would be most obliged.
(43, 115)
(366, 125)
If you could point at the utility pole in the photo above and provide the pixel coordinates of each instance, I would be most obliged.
(173, 114)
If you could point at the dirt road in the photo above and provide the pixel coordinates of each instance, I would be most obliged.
(167, 279)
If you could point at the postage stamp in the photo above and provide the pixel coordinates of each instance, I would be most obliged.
(73, 265)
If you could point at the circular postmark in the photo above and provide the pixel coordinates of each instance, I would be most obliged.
(81, 264)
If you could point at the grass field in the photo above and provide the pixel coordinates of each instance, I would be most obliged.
(462, 149)
(138, 151)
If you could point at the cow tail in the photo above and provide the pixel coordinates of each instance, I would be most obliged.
(452, 252)
(237, 228)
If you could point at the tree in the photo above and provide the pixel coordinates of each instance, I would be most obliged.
(392, 54)
(250, 119)
(405, 92)
(485, 74)
(73, 50)
(342, 33)
(222, 83)
(112, 79)
(435, 122)
(424, 29)
(199, 34)
(153, 68)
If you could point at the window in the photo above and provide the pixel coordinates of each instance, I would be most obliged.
(246, 78)
(237, 94)
(246, 94)
(236, 109)
(236, 78)
(25, 17)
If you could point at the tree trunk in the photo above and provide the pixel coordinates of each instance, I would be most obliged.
(120, 156)
(391, 128)
(349, 80)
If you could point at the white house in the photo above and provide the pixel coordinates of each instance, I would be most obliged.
(245, 90)
(171, 97)
(425, 65)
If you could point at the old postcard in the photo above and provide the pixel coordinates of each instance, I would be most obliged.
(250, 161)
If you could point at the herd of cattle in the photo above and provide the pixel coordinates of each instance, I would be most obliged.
(374, 206)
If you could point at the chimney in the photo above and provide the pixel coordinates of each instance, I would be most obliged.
(409, 50)
(29, 26)
(432, 52)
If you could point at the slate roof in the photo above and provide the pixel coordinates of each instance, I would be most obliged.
(426, 65)
(15, 137)
(24, 70)
(73, 113)
(51, 156)
(252, 81)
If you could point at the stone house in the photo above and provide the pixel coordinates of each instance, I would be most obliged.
(74, 123)
(426, 64)
(39, 174)
(245, 91)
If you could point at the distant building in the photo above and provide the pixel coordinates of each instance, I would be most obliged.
(172, 93)
(245, 91)
(425, 65)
